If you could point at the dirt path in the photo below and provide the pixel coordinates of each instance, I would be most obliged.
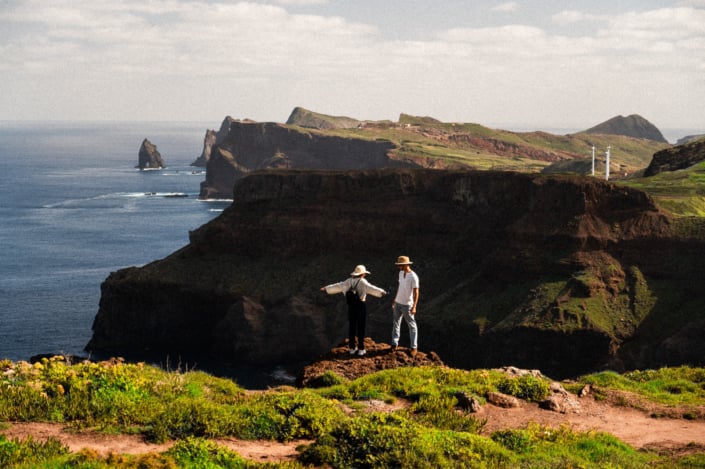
(635, 427)
(262, 451)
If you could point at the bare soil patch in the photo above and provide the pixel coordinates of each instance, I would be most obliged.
(636, 427)
(262, 451)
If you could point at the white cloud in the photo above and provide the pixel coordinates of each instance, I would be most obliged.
(199, 58)
(568, 17)
(302, 2)
(507, 7)
(692, 3)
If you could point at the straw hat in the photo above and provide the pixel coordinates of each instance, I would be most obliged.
(359, 270)
(403, 260)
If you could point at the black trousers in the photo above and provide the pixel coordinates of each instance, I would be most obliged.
(357, 316)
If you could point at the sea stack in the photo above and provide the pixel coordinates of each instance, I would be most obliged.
(149, 157)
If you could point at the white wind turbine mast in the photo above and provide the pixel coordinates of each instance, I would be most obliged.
(607, 163)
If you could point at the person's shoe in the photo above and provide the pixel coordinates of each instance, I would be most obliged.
(353, 351)
(394, 347)
(361, 352)
(413, 352)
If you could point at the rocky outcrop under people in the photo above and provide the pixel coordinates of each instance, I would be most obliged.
(379, 356)
(149, 157)
(566, 274)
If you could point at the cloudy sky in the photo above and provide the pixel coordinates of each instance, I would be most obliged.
(521, 64)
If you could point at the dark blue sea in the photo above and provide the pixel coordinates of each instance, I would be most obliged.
(73, 208)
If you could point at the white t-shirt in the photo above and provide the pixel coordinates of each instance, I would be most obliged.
(405, 293)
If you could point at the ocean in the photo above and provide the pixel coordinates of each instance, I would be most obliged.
(74, 208)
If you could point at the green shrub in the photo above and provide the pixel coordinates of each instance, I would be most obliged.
(198, 453)
(14, 452)
(525, 387)
(515, 440)
(327, 379)
(290, 415)
(440, 412)
(389, 440)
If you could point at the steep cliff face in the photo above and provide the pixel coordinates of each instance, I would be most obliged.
(565, 274)
(253, 146)
(212, 138)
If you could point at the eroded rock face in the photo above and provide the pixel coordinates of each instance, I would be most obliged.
(149, 157)
(550, 272)
(208, 142)
(679, 157)
(252, 146)
(212, 138)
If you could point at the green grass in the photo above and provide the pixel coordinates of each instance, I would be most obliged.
(429, 431)
(671, 386)
(418, 137)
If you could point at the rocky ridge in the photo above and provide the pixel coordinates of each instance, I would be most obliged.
(312, 140)
(566, 274)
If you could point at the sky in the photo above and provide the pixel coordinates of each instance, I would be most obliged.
(530, 65)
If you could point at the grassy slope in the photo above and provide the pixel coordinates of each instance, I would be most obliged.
(424, 138)
(433, 431)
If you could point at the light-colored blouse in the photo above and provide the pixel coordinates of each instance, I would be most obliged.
(363, 288)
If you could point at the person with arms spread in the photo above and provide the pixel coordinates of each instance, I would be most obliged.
(356, 289)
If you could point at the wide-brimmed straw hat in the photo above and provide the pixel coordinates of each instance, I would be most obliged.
(403, 260)
(359, 270)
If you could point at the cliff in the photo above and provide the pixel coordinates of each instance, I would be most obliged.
(148, 156)
(212, 138)
(251, 146)
(565, 274)
(316, 141)
(633, 126)
(678, 157)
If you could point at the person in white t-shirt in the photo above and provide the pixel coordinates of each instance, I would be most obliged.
(358, 288)
(405, 303)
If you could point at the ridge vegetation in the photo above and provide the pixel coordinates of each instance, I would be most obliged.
(480, 147)
(195, 408)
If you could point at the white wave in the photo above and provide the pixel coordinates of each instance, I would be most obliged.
(280, 374)
(154, 194)
(218, 210)
(216, 200)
